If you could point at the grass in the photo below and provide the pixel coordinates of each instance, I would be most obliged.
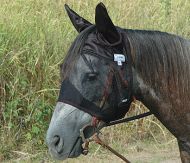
(136, 152)
(34, 38)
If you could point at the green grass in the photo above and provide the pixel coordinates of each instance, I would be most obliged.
(34, 38)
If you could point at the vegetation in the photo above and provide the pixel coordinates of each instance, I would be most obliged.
(34, 38)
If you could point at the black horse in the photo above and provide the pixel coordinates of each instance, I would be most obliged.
(106, 67)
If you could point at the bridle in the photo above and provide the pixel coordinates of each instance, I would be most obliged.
(97, 124)
(108, 85)
(122, 83)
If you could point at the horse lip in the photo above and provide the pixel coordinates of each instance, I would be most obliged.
(73, 154)
(58, 155)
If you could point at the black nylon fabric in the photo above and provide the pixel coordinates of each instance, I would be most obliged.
(118, 92)
(70, 95)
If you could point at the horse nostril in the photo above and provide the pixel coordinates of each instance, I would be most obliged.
(58, 143)
(56, 140)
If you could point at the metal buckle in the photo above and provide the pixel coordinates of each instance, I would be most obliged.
(82, 132)
(86, 141)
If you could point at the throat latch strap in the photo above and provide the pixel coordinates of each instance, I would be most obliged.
(129, 119)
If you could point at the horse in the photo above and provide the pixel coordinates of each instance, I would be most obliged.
(105, 68)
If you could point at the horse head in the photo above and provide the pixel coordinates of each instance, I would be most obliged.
(96, 82)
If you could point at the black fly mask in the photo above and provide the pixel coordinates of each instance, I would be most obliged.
(114, 99)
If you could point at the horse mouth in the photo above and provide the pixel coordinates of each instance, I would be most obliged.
(77, 149)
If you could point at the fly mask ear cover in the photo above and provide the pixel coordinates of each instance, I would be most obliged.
(124, 80)
(121, 89)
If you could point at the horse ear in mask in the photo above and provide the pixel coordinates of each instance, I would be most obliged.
(110, 35)
(105, 26)
(78, 22)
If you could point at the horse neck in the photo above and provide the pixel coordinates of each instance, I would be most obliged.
(160, 72)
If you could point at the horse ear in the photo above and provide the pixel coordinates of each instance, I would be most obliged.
(105, 25)
(78, 22)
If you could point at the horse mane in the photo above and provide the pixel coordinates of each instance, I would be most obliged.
(162, 60)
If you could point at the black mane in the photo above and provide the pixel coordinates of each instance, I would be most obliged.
(162, 59)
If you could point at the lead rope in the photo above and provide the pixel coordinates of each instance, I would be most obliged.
(97, 140)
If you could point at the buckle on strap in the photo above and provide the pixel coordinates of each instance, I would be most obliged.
(94, 125)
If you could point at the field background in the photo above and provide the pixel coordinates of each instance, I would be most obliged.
(34, 38)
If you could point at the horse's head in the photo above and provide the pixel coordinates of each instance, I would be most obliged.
(93, 84)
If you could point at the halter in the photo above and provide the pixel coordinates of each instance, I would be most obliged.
(118, 77)
(96, 123)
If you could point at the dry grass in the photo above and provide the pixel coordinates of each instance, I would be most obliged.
(137, 152)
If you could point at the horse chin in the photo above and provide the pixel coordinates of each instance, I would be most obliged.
(76, 151)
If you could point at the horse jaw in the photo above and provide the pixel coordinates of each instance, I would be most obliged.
(63, 135)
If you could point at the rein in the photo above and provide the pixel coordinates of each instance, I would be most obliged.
(97, 140)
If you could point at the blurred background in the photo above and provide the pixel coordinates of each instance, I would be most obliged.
(34, 37)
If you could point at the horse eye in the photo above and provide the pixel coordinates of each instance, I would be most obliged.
(92, 76)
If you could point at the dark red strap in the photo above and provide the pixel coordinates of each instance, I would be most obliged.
(95, 121)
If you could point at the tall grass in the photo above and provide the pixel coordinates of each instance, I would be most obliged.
(34, 38)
